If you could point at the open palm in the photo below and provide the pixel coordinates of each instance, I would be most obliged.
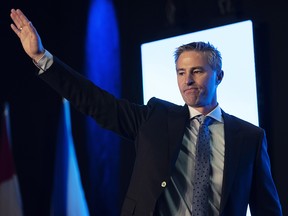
(28, 35)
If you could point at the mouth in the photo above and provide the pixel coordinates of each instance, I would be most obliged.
(191, 90)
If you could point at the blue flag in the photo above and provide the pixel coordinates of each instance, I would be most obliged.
(68, 197)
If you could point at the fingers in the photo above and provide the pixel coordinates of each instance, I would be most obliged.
(16, 19)
(15, 29)
(22, 17)
(21, 23)
(19, 19)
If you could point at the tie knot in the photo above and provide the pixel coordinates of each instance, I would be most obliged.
(204, 120)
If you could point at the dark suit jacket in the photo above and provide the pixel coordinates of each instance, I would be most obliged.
(157, 130)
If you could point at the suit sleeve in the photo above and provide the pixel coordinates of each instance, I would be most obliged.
(264, 199)
(111, 113)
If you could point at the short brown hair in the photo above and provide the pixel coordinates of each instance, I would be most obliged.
(214, 56)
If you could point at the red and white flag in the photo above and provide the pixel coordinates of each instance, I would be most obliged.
(10, 199)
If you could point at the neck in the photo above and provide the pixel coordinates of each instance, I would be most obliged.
(206, 109)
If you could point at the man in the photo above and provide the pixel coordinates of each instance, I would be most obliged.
(165, 179)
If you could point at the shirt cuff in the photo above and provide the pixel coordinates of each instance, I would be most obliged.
(45, 62)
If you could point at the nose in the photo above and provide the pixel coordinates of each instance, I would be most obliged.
(189, 79)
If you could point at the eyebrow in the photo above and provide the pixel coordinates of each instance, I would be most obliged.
(193, 68)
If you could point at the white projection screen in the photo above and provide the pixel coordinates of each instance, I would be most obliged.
(237, 94)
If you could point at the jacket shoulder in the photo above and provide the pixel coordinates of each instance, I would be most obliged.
(243, 124)
(163, 103)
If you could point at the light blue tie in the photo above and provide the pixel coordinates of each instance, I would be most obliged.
(201, 186)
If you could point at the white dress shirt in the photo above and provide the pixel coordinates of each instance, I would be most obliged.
(177, 197)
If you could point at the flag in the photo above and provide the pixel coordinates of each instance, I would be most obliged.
(68, 197)
(10, 199)
(102, 45)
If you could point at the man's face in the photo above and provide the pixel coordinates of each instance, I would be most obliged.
(197, 81)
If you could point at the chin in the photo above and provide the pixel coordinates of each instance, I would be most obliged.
(192, 103)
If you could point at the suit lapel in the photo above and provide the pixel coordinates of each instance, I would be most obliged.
(232, 156)
(177, 120)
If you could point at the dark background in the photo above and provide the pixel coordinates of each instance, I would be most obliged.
(34, 107)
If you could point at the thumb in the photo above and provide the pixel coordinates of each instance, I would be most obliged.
(32, 28)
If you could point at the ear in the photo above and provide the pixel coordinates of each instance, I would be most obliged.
(219, 77)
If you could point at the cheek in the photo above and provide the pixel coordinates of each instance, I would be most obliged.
(209, 82)
(206, 86)
(210, 88)
(180, 83)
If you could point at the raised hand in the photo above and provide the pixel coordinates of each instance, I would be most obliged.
(28, 35)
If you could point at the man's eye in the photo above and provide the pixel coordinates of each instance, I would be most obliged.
(180, 73)
(197, 71)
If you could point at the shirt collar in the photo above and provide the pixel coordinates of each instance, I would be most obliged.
(215, 113)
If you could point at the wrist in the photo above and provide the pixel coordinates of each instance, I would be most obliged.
(38, 56)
